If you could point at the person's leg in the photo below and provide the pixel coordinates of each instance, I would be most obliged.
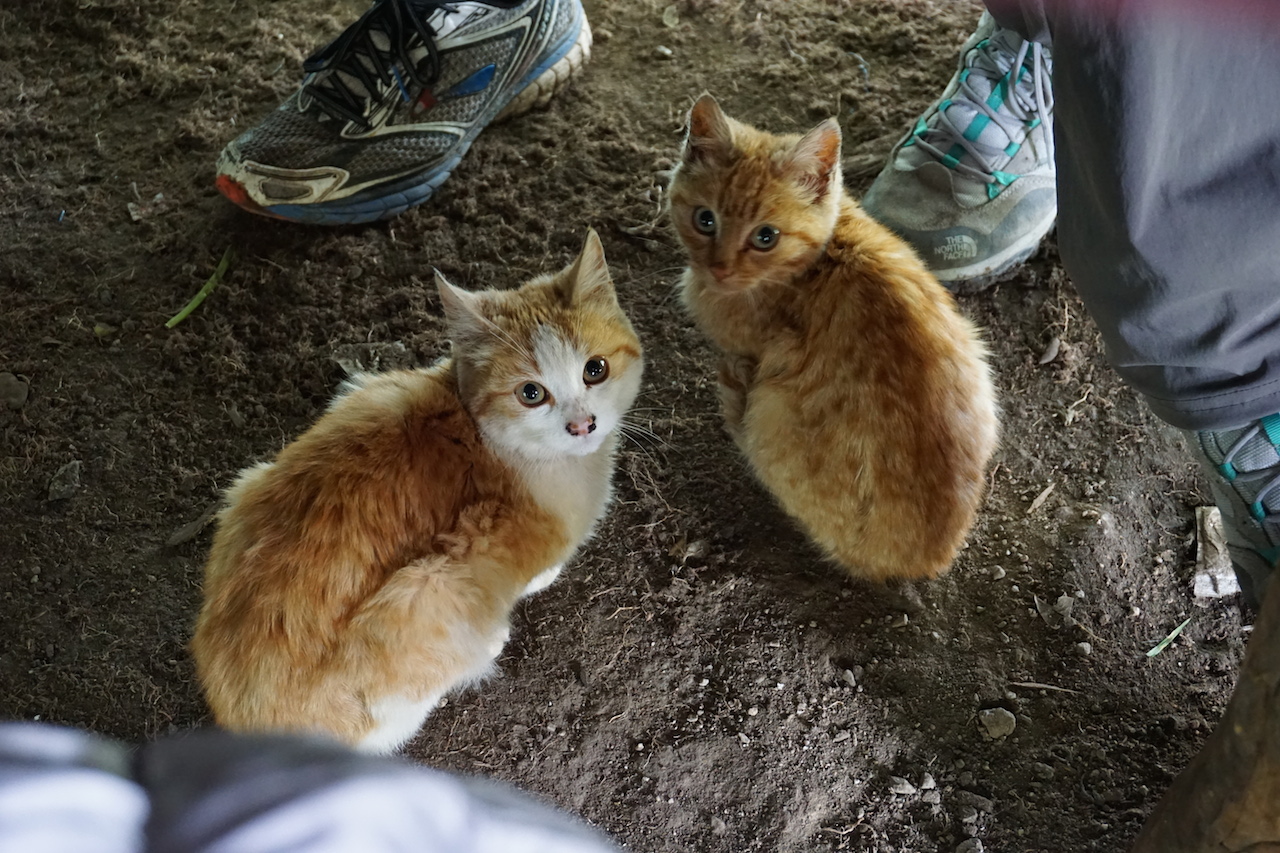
(1167, 121)
(389, 108)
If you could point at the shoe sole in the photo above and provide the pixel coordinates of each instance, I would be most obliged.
(562, 64)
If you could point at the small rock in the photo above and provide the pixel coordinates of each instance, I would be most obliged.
(66, 482)
(972, 845)
(1084, 649)
(1042, 771)
(839, 737)
(901, 621)
(932, 797)
(898, 785)
(13, 391)
(746, 741)
(999, 573)
(718, 826)
(967, 814)
(997, 722)
(979, 802)
(663, 52)
(965, 779)
(927, 782)
(601, 35)
(849, 678)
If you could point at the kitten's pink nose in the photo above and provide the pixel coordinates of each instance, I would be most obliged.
(719, 271)
(585, 426)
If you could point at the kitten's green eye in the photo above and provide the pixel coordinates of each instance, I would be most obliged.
(704, 220)
(597, 370)
(765, 238)
(531, 394)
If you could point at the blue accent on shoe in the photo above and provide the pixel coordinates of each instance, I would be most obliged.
(1257, 510)
(404, 93)
(1002, 180)
(1271, 423)
(477, 82)
(1229, 471)
(1012, 148)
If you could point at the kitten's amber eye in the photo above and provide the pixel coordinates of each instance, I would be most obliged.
(531, 394)
(765, 238)
(704, 220)
(597, 370)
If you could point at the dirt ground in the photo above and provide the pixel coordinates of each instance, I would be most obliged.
(698, 679)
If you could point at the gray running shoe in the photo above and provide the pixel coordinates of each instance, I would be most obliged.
(1244, 472)
(971, 187)
(390, 107)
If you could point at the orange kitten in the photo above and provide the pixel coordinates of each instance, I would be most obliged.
(857, 391)
(372, 567)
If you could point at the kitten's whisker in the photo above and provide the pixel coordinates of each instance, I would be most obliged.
(636, 433)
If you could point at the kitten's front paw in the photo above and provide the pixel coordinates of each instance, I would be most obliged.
(737, 375)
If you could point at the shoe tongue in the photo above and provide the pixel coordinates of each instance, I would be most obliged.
(972, 122)
(936, 176)
(1257, 453)
(443, 21)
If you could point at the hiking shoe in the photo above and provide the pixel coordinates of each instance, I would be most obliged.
(1244, 468)
(390, 107)
(971, 187)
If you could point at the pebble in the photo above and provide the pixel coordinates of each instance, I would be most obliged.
(927, 782)
(898, 785)
(1084, 649)
(932, 797)
(66, 482)
(998, 573)
(967, 814)
(13, 391)
(979, 802)
(664, 52)
(1042, 771)
(972, 845)
(997, 722)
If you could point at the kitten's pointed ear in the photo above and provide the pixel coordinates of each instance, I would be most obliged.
(815, 159)
(709, 132)
(461, 310)
(588, 277)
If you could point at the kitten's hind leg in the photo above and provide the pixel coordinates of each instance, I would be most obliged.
(396, 720)
(737, 375)
(544, 580)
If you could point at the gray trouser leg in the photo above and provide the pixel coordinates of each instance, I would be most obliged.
(1167, 126)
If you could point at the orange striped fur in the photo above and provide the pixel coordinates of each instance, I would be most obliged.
(372, 566)
(854, 387)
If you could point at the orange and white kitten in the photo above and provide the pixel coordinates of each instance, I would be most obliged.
(857, 391)
(373, 565)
